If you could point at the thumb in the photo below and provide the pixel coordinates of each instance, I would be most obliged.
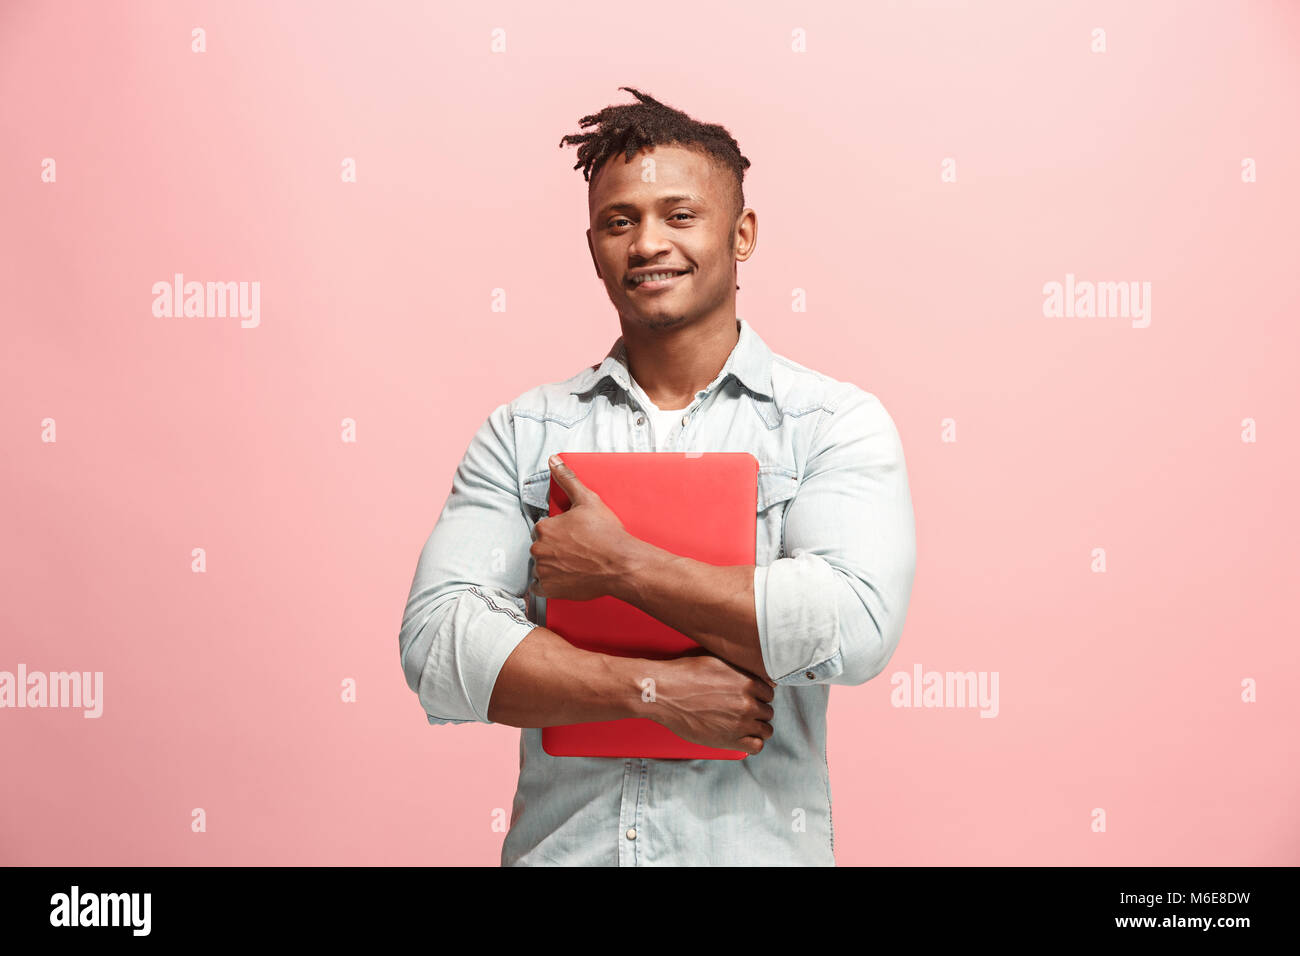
(567, 480)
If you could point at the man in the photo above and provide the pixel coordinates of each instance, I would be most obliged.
(823, 604)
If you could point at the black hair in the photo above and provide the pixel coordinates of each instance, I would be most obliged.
(630, 127)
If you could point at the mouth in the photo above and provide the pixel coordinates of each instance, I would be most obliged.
(660, 280)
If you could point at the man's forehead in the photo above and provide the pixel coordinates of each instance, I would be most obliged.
(679, 174)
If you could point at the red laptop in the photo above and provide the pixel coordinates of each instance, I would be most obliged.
(701, 505)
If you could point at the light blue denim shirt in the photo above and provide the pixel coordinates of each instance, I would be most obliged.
(836, 553)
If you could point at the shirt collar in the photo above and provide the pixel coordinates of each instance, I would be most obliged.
(750, 362)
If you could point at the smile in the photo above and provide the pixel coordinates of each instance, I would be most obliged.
(656, 280)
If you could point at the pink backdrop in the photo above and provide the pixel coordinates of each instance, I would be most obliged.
(1120, 691)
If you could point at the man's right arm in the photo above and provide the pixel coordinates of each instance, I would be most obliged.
(467, 648)
(700, 697)
(547, 681)
(470, 653)
(465, 613)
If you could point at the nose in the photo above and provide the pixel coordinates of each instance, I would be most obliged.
(649, 242)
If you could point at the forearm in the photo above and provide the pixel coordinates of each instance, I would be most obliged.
(546, 682)
(711, 604)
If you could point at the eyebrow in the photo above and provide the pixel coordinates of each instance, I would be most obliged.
(662, 200)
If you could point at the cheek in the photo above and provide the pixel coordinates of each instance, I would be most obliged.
(714, 274)
(715, 263)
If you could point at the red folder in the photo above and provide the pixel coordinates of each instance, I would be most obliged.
(701, 505)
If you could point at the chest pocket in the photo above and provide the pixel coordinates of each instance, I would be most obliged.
(536, 493)
(776, 487)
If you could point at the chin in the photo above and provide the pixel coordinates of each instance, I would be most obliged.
(661, 321)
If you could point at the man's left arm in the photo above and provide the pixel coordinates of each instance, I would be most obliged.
(831, 612)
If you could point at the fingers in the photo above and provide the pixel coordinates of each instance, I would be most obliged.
(567, 480)
(762, 732)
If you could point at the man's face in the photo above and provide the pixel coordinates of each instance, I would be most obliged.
(682, 221)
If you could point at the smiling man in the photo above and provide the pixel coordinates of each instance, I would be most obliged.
(824, 602)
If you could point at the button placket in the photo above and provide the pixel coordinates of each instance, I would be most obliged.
(642, 794)
(629, 809)
(689, 411)
(639, 438)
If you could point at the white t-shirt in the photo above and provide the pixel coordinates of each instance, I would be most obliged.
(664, 420)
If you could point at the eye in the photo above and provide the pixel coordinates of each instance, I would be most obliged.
(617, 220)
(686, 214)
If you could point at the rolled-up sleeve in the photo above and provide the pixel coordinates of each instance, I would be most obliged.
(466, 611)
(833, 610)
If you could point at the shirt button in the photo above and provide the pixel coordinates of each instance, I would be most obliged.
(631, 833)
(686, 419)
(810, 675)
(640, 419)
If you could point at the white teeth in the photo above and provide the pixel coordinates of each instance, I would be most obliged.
(654, 277)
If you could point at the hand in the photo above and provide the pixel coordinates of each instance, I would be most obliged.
(581, 553)
(704, 699)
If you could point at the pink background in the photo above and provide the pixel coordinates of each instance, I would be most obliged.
(222, 690)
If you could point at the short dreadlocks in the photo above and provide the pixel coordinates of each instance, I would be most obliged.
(632, 126)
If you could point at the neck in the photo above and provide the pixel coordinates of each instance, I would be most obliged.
(671, 365)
